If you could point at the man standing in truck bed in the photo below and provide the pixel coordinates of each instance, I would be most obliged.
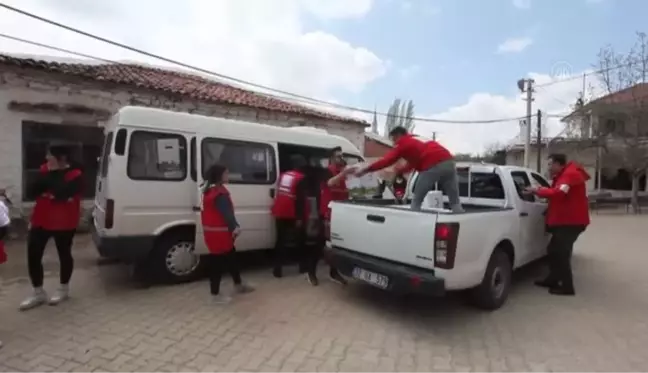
(432, 160)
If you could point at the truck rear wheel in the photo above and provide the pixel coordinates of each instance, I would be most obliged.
(492, 293)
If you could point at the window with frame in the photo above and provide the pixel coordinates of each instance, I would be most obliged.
(85, 144)
(539, 181)
(477, 185)
(247, 162)
(522, 181)
(157, 156)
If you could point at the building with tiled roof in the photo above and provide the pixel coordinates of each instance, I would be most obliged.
(43, 101)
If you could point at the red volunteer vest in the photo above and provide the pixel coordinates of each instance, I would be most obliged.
(57, 215)
(218, 238)
(339, 192)
(283, 206)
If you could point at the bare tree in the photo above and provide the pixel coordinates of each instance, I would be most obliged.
(400, 114)
(623, 114)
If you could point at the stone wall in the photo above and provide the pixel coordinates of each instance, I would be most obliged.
(32, 86)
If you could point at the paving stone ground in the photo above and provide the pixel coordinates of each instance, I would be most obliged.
(286, 325)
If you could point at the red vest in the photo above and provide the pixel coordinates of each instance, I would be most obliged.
(339, 191)
(55, 215)
(283, 206)
(218, 238)
(325, 199)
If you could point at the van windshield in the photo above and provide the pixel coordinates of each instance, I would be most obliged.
(105, 154)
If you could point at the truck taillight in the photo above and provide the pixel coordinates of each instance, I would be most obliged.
(445, 245)
(110, 214)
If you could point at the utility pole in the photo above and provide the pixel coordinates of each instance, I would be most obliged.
(539, 142)
(526, 85)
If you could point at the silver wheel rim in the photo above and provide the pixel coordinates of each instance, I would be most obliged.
(181, 260)
(498, 283)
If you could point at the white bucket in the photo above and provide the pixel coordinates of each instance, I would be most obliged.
(434, 200)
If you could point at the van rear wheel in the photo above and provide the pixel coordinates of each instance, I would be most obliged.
(492, 293)
(174, 260)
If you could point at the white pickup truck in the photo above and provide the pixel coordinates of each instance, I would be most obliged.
(433, 251)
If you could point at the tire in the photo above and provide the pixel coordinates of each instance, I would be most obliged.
(492, 293)
(170, 263)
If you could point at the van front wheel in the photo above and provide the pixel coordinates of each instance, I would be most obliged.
(174, 260)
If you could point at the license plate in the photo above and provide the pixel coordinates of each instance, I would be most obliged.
(375, 279)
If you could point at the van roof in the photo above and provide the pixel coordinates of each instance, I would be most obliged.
(166, 120)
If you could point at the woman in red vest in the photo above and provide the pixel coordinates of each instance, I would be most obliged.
(56, 215)
(220, 230)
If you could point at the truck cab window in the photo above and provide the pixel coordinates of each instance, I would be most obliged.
(522, 181)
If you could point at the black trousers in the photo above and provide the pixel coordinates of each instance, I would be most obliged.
(559, 253)
(314, 250)
(290, 242)
(3, 232)
(36, 243)
(219, 264)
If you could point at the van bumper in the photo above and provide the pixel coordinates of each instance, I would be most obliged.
(130, 249)
(402, 278)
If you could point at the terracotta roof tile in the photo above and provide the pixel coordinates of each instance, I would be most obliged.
(188, 85)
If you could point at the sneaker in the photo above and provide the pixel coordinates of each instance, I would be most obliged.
(38, 298)
(335, 276)
(61, 295)
(221, 299)
(243, 288)
(312, 279)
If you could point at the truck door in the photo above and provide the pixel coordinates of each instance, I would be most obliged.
(532, 226)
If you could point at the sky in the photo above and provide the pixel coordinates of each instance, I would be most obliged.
(456, 59)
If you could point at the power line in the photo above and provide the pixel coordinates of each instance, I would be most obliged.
(297, 97)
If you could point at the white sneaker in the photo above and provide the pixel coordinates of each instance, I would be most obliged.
(38, 298)
(221, 299)
(62, 294)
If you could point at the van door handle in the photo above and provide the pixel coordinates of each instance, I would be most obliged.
(272, 192)
(196, 208)
(376, 218)
(524, 214)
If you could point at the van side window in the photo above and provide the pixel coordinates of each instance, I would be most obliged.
(157, 156)
(120, 142)
(521, 180)
(193, 171)
(105, 154)
(247, 162)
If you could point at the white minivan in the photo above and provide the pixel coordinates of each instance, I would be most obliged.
(147, 203)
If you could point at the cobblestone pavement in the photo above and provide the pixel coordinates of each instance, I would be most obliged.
(286, 325)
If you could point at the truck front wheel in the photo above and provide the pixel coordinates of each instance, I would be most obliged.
(492, 293)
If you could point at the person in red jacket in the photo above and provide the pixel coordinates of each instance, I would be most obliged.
(434, 163)
(567, 217)
(56, 215)
(220, 230)
(289, 211)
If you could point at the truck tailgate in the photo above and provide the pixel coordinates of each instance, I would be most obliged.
(388, 233)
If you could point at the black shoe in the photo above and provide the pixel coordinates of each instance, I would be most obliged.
(312, 279)
(335, 276)
(277, 273)
(561, 291)
(546, 283)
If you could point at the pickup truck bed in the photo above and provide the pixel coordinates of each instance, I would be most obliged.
(393, 203)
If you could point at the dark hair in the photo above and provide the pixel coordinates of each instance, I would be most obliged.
(398, 131)
(214, 174)
(298, 161)
(335, 150)
(60, 152)
(559, 158)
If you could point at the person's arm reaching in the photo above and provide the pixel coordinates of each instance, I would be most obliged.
(225, 208)
(559, 191)
(387, 160)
